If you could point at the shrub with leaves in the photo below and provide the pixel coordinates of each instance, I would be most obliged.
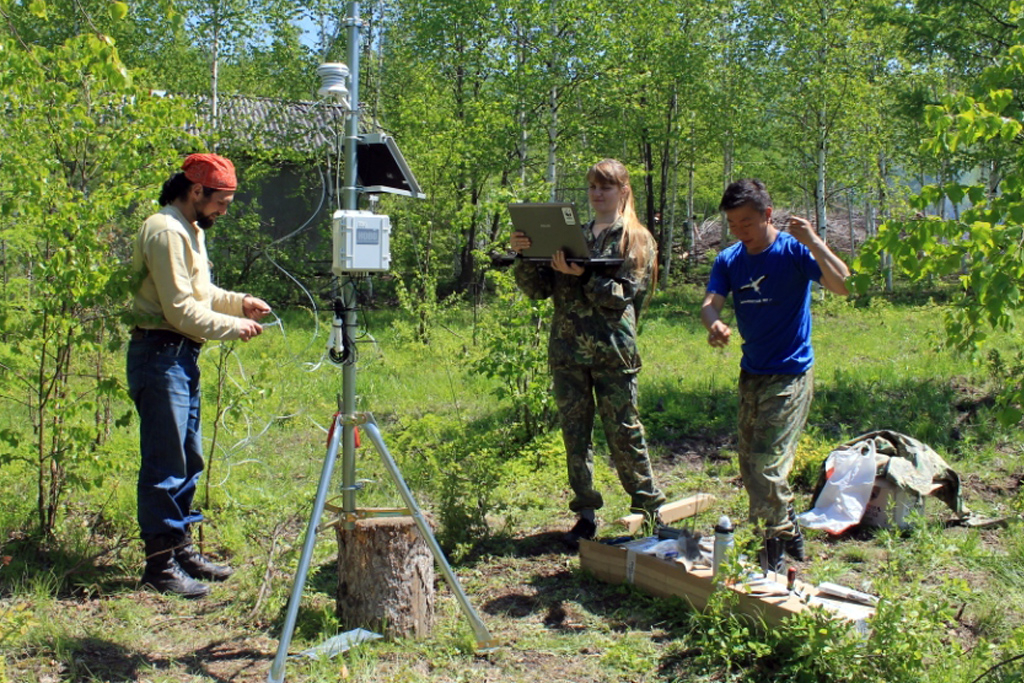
(514, 351)
(984, 244)
(459, 473)
(83, 158)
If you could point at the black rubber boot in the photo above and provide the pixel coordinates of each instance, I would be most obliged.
(197, 565)
(583, 530)
(773, 556)
(165, 574)
(795, 545)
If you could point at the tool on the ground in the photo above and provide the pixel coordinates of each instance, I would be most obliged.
(847, 593)
(665, 532)
(689, 545)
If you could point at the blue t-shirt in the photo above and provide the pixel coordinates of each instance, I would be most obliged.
(771, 293)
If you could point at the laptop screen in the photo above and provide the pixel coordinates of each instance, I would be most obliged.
(550, 227)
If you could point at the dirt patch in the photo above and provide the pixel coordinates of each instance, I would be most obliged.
(694, 452)
(999, 489)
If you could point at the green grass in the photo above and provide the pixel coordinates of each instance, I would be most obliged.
(499, 498)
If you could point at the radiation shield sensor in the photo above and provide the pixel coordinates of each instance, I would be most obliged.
(334, 80)
(361, 242)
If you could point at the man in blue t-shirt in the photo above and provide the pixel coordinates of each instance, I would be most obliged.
(769, 275)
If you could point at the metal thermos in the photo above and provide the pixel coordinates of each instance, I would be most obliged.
(723, 542)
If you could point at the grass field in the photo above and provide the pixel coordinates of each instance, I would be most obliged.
(71, 608)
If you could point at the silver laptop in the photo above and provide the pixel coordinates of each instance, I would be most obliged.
(550, 227)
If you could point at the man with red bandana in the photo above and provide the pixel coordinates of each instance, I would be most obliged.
(177, 308)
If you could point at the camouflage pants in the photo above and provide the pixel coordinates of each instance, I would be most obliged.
(616, 393)
(772, 414)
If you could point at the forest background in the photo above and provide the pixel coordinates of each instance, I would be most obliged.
(895, 126)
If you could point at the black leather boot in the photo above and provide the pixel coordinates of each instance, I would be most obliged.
(197, 565)
(165, 574)
(795, 545)
(772, 555)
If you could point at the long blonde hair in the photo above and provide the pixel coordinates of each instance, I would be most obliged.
(635, 235)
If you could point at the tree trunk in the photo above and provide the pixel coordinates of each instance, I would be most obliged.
(869, 219)
(691, 219)
(994, 179)
(849, 218)
(647, 152)
(941, 206)
(726, 179)
(883, 211)
(522, 149)
(467, 260)
(665, 172)
(385, 578)
(215, 88)
(819, 189)
(553, 143)
(553, 112)
(670, 220)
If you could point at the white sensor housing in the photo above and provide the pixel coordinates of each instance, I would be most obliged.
(334, 82)
(362, 242)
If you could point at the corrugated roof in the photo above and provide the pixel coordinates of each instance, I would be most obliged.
(270, 123)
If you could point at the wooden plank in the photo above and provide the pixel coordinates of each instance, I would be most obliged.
(671, 512)
(666, 578)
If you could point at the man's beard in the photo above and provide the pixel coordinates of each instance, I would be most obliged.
(204, 222)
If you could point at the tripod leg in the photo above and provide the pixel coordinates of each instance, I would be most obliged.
(483, 636)
(277, 668)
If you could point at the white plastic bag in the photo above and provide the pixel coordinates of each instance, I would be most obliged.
(849, 477)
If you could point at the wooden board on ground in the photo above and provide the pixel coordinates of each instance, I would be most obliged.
(671, 512)
(666, 578)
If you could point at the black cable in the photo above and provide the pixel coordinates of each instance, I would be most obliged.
(366, 316)
(350, 353)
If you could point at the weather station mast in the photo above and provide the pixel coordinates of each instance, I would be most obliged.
(360, 246)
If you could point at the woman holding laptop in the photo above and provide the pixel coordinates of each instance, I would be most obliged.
(592, 349)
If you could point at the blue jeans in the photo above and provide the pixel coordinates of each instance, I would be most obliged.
(163, 381)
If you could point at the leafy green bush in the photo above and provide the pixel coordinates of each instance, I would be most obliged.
(419, 299)
(77, 171)
(514, 351)
(980, 245)
(813, 647)
(457, 472)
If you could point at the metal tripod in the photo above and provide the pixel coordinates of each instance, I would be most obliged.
(344, 424)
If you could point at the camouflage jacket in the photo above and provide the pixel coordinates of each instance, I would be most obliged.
(595, 318)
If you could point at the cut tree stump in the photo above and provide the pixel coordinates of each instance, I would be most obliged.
(385, 578)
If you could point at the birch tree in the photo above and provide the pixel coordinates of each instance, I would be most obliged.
(817, 60)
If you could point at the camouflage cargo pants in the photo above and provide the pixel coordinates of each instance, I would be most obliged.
(616, 393)
(772, 414)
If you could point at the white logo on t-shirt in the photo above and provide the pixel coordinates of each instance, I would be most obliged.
(754, 285)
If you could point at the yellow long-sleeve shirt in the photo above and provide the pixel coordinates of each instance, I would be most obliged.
(176, 292)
